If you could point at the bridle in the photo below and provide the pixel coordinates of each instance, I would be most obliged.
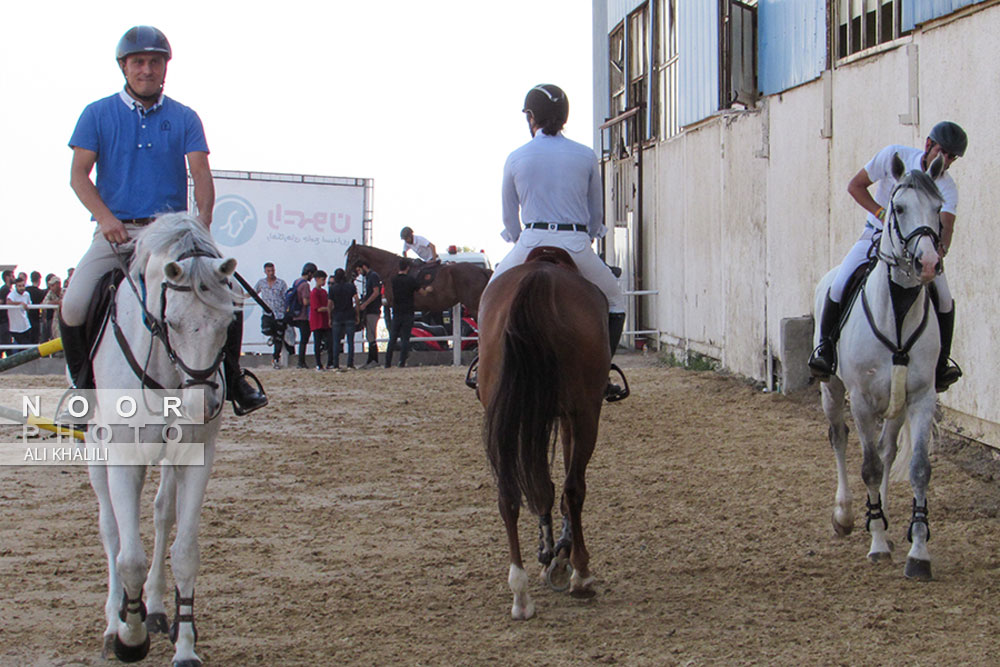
(159, 330)
(904, 260)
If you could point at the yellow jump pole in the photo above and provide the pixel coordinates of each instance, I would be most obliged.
(41, 422)
(23, 357)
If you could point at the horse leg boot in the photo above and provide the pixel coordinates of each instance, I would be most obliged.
(616, 324)
(947, 373)
(823, 361)
(244, 396)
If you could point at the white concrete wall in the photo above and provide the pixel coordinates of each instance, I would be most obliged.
(746, 211)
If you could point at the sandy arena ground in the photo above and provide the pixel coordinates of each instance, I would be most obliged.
(354, 522)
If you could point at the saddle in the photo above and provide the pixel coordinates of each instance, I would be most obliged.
(97, 319)
(425, 272)
(552, 255)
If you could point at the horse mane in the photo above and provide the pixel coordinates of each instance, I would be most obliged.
(174, 235)
(921, 181)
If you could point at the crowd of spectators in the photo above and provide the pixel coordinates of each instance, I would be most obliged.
(21, 324)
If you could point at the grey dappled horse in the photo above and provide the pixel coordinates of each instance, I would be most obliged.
(173, 340)
(888, 349)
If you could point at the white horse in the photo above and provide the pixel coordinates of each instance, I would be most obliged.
(888, 349)
(173, 340)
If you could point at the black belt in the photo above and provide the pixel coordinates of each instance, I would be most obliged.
(139, 222)
(557, 226)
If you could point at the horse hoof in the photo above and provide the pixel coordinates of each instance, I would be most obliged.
(109, 647)
(194, 662)
(840, 530)
(126, 653)
(918, 569)
(880, 557)
(558, 573)
(157, 623)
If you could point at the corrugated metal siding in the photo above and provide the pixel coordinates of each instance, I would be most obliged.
(918, 11)
(619, 9)
(698, 42)
(791, 43)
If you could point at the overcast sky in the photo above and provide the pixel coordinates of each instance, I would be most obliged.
(424, 97)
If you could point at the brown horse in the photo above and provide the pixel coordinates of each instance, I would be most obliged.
(454, 282)
(543, 368)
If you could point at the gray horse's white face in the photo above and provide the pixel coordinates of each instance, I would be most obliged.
(913, 225)
(197, 320)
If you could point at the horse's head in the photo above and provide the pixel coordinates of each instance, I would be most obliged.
(354, 256)
(189, 297)
(913, 224)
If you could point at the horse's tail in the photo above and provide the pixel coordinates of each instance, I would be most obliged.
(521, 418)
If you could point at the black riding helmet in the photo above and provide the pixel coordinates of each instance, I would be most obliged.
(549, 106)
(950, 137)
(143, 39)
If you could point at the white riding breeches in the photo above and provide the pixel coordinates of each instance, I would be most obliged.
(858, 255)
(98, 260)
(577, 244)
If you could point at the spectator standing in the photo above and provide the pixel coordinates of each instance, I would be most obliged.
(37, 294)
(404, 286)
(301, 318)
(319, 320)
(272, 291)
(343, 312)
(50, 317)
(20, 326)
(8, 281)
(370, 307)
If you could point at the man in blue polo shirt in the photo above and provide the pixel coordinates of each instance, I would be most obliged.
(142, 143)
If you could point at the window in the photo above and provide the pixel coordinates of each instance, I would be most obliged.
(738, 82)
(667, 56)
(862, 24)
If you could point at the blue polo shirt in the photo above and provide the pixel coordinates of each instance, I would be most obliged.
(141, 168)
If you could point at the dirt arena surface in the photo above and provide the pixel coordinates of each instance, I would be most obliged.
(354, 522)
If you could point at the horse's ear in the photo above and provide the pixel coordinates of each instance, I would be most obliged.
(228, 267)
(173, 271)
(898, 168)
(937, 168)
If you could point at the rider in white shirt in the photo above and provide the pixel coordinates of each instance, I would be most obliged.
(423, 248)
(948, 140)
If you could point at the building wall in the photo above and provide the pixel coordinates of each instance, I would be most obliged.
(746, 211)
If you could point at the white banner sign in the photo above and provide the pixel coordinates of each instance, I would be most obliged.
(287, 223)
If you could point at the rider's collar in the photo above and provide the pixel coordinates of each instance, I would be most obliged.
(136, 105)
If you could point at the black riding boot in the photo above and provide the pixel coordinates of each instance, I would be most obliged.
(823, 361)
(947, 373)
(74, 342)
(616, 324)
(245, 397)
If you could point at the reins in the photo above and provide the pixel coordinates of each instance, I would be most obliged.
(159, 331)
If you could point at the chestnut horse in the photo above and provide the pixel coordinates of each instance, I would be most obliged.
(454, 282)
(543, 368)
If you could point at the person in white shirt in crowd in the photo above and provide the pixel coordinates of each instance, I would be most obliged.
(17, 318)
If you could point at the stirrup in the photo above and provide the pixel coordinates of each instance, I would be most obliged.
(818, 366)
(614, 393)
(946, 375)
(241, 410)
(472, 375)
